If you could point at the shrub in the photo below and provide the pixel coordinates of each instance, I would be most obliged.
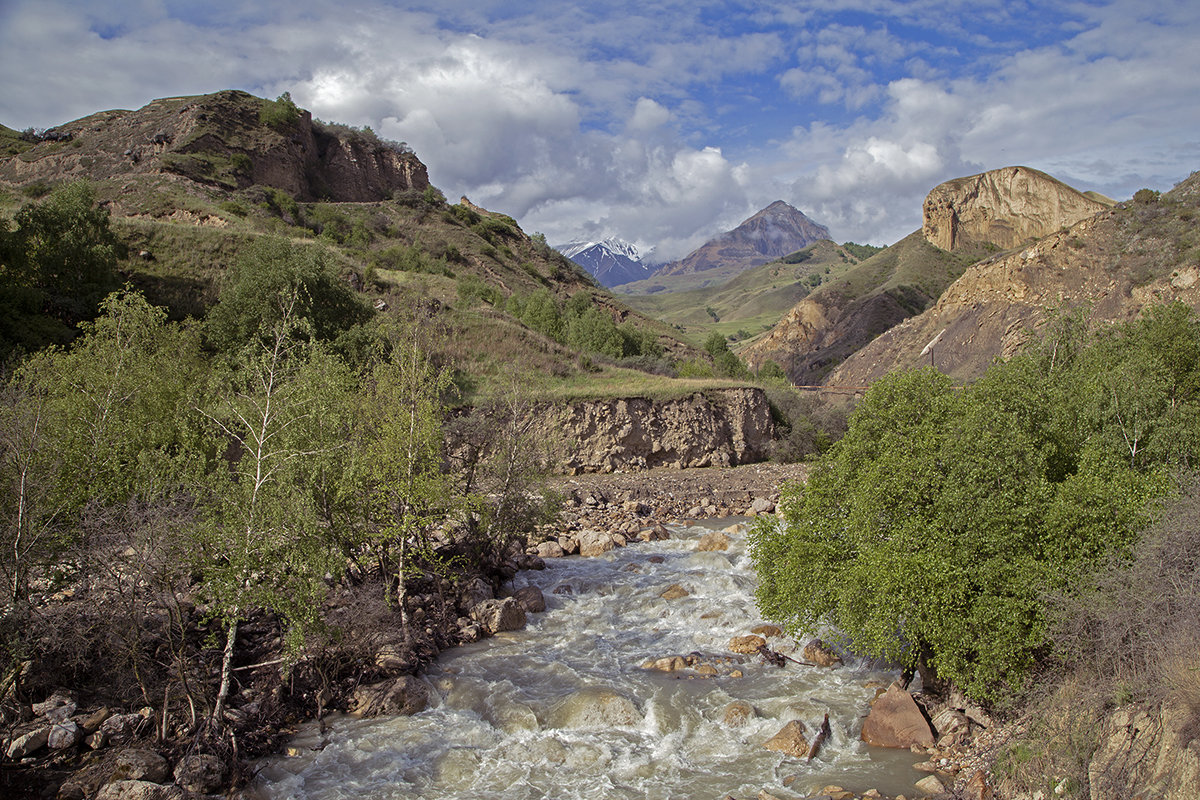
(280, 113)
(942, 518)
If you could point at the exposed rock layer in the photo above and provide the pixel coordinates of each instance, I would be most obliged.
(220, 139)
(1117, 263)
(1004, 208)
(720, 427)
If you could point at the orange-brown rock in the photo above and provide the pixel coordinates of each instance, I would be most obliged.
(746, 645)
(790, 740)
(768, 631)
(1002, 208)
(896, 721)
(821, 654)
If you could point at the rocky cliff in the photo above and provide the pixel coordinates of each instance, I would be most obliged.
(1001, 209)
(722, 427)
(227, 140)
(1116, 263)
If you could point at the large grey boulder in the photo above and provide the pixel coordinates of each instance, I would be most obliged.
(202, 773)
(136, 764)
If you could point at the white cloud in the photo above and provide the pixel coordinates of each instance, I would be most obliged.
(618, 118)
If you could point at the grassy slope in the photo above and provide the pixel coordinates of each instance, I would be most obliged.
(183, 236)
(752, 301)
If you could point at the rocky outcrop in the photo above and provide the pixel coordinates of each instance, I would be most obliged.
(222, 140)
(724, 427)
(1001, 209)
(1117, 263)
(1147, 753)
(832, 323)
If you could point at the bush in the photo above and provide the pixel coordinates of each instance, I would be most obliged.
(280, 113)
(942, 518)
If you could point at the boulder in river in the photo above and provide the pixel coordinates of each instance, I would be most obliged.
(550, 549)
(674, 592)
(738, 713)
(595, 543)
(747, 645)
(790, 740)
(896, 721)
(595, 709)
(531, 599)
(712, 542)
(821, 654)
(495, 616)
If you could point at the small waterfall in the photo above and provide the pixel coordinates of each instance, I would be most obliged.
(565, 709)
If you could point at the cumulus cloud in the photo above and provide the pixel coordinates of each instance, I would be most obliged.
(664, 123)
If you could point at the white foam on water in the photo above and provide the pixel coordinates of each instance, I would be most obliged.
(495, 726)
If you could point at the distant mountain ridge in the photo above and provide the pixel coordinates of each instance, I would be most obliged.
(611, 262)
(777, 230)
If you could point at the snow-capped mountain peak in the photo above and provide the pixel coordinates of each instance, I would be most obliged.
(611, 261)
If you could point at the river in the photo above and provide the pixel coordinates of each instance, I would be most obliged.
(564, 708)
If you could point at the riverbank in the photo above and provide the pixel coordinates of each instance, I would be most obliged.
(71, 742)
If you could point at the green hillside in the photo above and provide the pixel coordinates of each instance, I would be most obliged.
(754, 300)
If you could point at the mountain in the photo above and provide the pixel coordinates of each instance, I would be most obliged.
(1113, 265)
(611, 262)
(775, 231)
(963, 220)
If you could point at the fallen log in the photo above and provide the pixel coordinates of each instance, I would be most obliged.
(777, 659)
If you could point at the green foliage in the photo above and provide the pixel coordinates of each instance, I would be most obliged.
(405, 490)
(410, 258)
(725, 363)
(55, 267)
(473, 290)
(862, 251)
(267, 280)
(1145, 197)
(280, 113)
(98, 424)
(941, 519)
(433, 196)
(798, 257)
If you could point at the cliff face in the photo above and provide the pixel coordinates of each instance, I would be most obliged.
(1117, 262)
(1002, 209)
(221, 140)
(716, 428)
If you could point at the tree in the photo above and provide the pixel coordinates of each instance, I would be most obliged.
(276, 271)
(55, 267)
(263, 545)
(404, 488)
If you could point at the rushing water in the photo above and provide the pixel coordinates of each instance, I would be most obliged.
(517, 716)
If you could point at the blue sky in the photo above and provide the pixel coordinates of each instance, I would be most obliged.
(664, 122)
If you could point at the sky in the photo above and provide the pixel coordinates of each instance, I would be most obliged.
(659, 122)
